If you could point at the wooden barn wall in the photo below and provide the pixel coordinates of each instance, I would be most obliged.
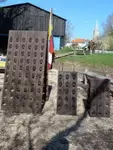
(41, 20)
(14, 18)
(26, 17)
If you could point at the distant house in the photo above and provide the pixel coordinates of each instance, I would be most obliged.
(68, 44)
(80, 42)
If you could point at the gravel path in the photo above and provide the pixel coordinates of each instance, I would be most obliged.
(50, 131)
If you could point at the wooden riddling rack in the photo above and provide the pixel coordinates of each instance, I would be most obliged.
(25, 81)
(98, 94)
(67, 93)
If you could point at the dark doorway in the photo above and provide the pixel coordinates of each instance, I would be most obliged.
(3, 43)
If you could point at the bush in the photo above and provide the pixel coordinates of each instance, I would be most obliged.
(66, 49)
(108, 42)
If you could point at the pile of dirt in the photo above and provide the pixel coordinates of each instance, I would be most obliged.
(50, 131)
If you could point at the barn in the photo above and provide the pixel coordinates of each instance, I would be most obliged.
(27, 16)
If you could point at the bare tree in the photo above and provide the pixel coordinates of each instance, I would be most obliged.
(108, 32)
(69, 31)
(11, 19)
(108, 25)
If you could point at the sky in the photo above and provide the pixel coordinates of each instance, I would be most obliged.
(82, 14)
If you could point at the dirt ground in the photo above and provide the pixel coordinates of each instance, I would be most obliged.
(50, 131)
(80, 67)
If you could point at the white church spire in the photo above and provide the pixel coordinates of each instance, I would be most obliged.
(96, 31)
(96, 27)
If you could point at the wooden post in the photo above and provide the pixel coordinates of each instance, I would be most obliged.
(62, 66)
(62, 41)
(74, 50)
(73, 67)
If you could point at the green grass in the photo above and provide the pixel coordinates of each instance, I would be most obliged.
(95, 59)
(64, 50)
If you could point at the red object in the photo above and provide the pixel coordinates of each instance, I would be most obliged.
(51, 52)
(50, 43)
